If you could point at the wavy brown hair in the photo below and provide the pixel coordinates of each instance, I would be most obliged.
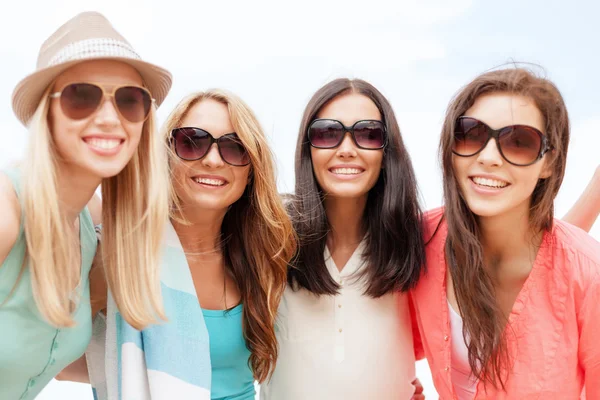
(395, 251)
(483, 321)
(257, 236)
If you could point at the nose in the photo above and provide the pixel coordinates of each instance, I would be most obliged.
(490, 156)
(107, 115)
(213, 159)
(346, 149)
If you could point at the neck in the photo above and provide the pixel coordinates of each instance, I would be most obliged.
(75, 189)
(509, 242)
(202, 233)
(345, 216)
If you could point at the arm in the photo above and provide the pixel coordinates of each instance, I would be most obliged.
(11, 217)
(77, 371)
(585, 211)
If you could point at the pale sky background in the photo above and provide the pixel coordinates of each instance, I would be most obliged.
(275, 55)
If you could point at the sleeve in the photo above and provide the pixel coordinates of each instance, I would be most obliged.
(589, 350)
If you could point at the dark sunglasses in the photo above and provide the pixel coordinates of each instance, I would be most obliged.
(519, 145)
(194, 143)
(80, 100)
(329, 133)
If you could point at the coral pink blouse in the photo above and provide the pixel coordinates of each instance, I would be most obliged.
(555, 319)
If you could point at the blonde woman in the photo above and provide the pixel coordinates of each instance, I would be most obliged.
(224, 266)
(90, 111)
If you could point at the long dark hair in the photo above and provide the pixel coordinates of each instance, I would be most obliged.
(483, 321)
(392, 220)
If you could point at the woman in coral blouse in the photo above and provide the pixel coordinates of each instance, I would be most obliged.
(509, 306)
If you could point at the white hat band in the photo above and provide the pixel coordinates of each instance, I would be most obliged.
(94, 48)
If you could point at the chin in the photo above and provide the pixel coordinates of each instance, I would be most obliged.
(485, 209)
(347, 194)
(105, 170)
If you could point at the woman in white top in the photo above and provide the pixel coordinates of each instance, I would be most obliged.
(344, 325)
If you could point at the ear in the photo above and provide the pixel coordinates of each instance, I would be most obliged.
(546, 169)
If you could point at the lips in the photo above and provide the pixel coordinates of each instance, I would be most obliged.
(212, 181)
(346, 170)
(489, 182)
(103, 145)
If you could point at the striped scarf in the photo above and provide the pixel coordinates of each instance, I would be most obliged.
(161, 362)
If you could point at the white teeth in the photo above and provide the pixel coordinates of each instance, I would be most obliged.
(346, 171)
(212, 182)
(106, 144)
(489, 182)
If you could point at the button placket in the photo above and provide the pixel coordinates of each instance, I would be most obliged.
(339, 326)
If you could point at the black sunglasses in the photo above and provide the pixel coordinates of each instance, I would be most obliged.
(520, 145)
(367, 134)
(194, 143)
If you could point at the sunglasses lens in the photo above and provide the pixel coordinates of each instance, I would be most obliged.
(190, 144)
(470, 136)
(133, 103)
(233, 151)
(80, 100)
(325, 134)
(520, 145)
(369, 134)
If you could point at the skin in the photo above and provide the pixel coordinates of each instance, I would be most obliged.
(205, 207)
(346, 195)
(509, 244)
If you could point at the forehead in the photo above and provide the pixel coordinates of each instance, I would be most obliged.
(210, 115)
(107, 72)
(504, 109)
(349, 108)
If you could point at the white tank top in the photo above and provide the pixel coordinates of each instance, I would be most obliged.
(465, 384)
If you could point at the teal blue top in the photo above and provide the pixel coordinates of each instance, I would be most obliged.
(32, 351)
(231, 376)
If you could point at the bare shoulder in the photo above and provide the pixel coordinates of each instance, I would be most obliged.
(11, 216)
(95, 207)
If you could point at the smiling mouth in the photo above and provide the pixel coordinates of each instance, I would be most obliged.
(104, 144)
(347, 171)
(489, 183)
(210, 181)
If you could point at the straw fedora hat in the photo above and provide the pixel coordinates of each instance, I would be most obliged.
(87, 36)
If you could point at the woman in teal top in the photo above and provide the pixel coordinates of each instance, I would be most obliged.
(224, 264)
(234, 231)
(87, 107)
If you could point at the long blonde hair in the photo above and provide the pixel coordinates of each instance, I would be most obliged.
(135, 209)
(257, 236)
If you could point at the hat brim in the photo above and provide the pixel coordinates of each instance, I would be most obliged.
(28, 93)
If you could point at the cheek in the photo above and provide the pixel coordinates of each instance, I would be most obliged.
(241, 181)
(528, 178)
(179, 176)
(375, 159)
(460, 165)
(64, 131)
(134, 131)
(319, 158)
